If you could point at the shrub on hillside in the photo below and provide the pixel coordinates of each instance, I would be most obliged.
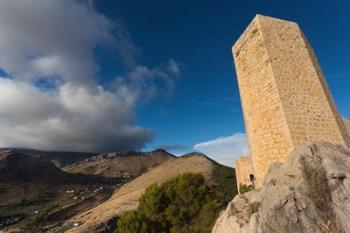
(244, 188)
(225, 188)
(253, 208)
(184, 204)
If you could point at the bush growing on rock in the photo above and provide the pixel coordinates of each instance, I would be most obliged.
(244, 188)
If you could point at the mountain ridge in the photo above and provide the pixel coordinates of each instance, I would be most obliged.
(125, 164)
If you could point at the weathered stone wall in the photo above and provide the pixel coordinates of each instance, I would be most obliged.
(347, 124)
(264, 119)
(244, 168)
(285, 99)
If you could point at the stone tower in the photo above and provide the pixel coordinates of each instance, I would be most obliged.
(284, 96)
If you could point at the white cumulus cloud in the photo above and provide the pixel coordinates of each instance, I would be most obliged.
(225, 149)
(49, 97)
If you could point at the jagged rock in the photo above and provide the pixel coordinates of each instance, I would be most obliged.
(308, 194)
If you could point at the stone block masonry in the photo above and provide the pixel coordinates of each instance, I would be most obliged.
(285, 98)
(244, 170)
(347, 124)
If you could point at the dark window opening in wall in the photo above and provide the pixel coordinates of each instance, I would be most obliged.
(252, 178)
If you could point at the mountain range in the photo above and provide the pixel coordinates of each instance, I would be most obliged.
(49, 191)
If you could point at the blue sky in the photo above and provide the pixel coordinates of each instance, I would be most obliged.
(199, 36)
(145, 74)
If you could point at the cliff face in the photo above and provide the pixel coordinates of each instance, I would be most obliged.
(309, 193)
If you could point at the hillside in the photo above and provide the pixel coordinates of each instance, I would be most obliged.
(32, 189)
(60, 158)
(126, 198)
(20, 168)
(127, 165)
(36, 194)
(16, 167)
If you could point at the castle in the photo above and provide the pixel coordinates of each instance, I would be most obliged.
(285, 98)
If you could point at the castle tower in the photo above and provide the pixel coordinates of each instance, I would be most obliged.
(285, 98)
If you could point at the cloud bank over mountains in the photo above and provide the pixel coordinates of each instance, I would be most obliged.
(49, 97)
(225, 150)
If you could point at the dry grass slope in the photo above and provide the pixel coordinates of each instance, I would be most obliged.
(130, 164)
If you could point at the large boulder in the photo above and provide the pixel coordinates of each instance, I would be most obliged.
(310, 193)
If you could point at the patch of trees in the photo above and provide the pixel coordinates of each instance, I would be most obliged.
(184, 204)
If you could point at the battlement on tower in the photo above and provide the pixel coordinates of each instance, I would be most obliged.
(285, 98)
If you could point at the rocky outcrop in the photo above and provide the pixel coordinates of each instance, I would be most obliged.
(309, 193)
